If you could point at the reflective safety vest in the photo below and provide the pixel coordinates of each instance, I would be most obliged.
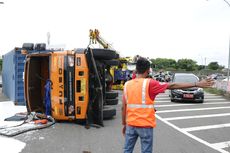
(140, 110)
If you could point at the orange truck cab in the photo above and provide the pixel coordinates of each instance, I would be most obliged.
(79, 80)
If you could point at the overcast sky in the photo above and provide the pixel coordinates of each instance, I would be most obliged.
(195, 29)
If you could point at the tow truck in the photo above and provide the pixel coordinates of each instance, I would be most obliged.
(78, 83)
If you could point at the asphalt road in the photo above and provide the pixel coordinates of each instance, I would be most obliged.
(181, 128)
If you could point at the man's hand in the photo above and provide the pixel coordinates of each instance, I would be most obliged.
(205, 83)
(123, 130)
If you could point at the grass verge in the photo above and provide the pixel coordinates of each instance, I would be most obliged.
(217, 92)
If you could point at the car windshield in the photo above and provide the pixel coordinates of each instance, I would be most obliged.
(186, 78)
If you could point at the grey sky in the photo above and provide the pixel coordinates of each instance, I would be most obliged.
(196, 29)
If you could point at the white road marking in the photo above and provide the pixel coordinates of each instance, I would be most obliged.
(160, 101)
(192, 136)
(212, 96)
(206, 99)
(216, 100)
(198, 128)
(166, 98)
(194, 109)
(185, 104)
(197, 116)
(222, 145)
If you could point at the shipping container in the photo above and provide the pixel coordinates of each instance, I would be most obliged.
(12, 74)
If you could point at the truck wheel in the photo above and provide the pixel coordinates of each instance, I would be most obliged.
(111, 94)
(111, 101)
(108, 112)
(28, 46)
(104, 54)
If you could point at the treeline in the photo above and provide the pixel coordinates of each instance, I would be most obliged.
(182, 64)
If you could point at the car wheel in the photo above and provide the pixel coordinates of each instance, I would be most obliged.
(172, 100)
(108, 112)
(104, 54)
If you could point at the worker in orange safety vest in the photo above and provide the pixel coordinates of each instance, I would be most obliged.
(138, 113)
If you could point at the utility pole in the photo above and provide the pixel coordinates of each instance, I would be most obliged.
(228, 51)
(227, 2)
(228, 60)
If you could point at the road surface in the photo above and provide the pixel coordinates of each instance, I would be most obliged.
(181, 128)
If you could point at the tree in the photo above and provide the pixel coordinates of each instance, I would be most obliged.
(201, 67)
(163, 63)
(213, 65)
(221, 67)
(187, 64)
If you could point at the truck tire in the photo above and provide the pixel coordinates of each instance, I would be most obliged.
(104, 54)
(40, 47)
(111, 94)
(111, 101)
(28, 46)
(108, 112)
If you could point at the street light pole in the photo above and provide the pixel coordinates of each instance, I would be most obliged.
(228, 61)
(227, 3)
(228, 52)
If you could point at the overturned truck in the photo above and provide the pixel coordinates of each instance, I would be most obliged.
(79, 84)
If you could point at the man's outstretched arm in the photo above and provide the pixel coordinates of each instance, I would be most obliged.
(206, 83)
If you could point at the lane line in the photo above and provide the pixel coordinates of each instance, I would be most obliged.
(212, 96)
(204, 99)
(198, 128)
(222, 145)
(160, 101)
(166, 98)
(194, 109)
(185, 104)
(216, 100)
(192, 136)
(197, 116)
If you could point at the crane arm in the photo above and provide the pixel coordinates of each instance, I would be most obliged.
(95, 37)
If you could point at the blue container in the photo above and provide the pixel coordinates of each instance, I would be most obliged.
(12, 76)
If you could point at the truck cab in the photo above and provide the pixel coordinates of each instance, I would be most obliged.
(77, 81)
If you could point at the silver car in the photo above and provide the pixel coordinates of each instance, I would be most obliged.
(194, 94)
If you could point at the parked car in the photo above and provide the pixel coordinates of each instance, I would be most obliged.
(194, 94)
